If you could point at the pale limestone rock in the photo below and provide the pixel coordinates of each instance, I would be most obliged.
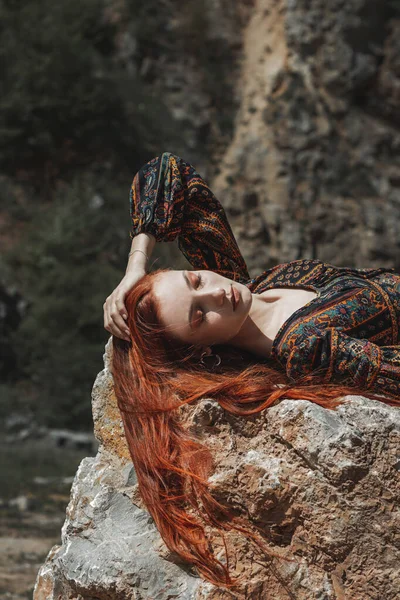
(322, 485)
(109, 542)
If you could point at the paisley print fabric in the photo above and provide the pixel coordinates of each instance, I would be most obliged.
(349, 332)
(168, 198)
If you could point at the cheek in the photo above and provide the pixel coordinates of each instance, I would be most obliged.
(222, 329)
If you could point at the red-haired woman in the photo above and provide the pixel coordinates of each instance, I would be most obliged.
(303, 329)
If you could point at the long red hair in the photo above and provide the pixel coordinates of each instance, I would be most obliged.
(154, 375)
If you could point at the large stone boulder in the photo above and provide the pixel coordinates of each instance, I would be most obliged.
(323, 486)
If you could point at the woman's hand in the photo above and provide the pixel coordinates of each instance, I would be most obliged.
(115, 312)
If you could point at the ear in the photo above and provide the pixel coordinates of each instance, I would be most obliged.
(206, 349)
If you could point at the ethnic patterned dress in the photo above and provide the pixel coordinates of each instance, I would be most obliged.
(349, 332)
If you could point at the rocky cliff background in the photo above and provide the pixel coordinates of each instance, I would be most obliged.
(313, 166)
(290, 109)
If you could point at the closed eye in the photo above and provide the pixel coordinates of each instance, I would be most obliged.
(200, 281)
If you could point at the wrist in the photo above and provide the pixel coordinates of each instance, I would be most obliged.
(131, 279)
(136, 265)
(137, 250)
(140, 252)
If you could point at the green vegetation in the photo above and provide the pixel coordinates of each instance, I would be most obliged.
(80, 112)
(76, 122)
(72, 257)
(67, 100)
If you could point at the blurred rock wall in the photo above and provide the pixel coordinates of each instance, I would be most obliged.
(313, 169)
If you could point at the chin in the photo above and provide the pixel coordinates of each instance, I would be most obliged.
(246, 297)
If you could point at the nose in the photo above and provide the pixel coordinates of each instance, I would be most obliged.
(217, 295)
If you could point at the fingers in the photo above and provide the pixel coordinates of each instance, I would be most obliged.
(114, 322)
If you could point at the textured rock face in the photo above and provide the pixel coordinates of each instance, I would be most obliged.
(290, 109)
(323, 486)
(313, 169)
(109, 543)
(193, 62)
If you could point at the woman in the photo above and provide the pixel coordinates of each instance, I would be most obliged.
(303, 329)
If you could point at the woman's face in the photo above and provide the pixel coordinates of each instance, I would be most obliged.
(197, 307)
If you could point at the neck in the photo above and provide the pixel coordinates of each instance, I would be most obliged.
(253, 335)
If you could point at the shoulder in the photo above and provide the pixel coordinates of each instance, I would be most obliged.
(300, 271)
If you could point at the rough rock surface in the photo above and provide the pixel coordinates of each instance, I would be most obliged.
(290, 109)
(324, 487)
(193, 62)
(313, 168)
(310, 169)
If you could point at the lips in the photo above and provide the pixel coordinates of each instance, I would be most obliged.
(235, 297)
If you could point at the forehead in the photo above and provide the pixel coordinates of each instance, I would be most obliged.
(173, 295)
(168, 282)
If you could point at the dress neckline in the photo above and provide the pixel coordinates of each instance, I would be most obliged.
(294, 315)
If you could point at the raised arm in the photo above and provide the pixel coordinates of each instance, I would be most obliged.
(169, 199)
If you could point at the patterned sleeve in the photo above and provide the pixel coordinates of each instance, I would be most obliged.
(169, 199)
(343, 359)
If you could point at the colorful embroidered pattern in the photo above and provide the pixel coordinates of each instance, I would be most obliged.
(349, 332)
(168, 198)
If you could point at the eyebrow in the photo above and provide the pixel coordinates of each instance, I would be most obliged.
(190, 313)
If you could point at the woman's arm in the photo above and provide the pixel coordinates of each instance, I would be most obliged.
(346, 360)
(137, 261)
(169, 200)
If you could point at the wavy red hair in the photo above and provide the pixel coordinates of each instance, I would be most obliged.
(154, 375)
